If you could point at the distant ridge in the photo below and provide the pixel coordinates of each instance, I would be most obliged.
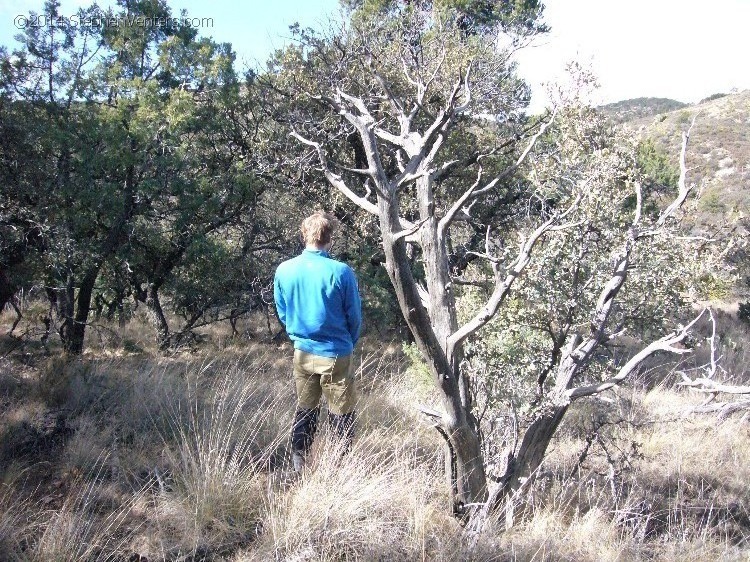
(719, 153)
(636, 108)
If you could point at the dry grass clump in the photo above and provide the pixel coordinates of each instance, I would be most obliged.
(75, 532)
(194, 438)
(218, 455)
(369, 504)
(551, 536)
(91, 523)
(693, 481)
(12, 518)
(643, 478)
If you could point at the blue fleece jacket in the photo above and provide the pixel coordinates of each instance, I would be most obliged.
(317, 301)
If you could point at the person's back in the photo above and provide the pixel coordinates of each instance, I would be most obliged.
(318, 303)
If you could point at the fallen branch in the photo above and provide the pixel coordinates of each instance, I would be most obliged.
(704, 384)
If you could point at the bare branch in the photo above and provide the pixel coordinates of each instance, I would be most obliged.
(638, 203)
(683, 188)
(411, 172)
(467, 92)
(336, 180)
(361, 171)
(390, 96)
(513, 167)
(582, 354)
(713, 365)
(484, 256)
(430, 412)
(450, 215)
(451, 165)
(502, 288)
(391, 138)
(441, 123)
(424, 87)
(409, 232)
(358, 103)
(704, 384)
(367, 129)
(724, 409)
(416, 146)
(707, 383)
(665, 343)
(408, 77)
(422, 149)
(473, 192)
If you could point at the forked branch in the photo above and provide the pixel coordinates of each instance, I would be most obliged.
(335, 179)
(666, 343)
(503, 286)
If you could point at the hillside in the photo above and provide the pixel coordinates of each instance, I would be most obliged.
(628, 110)
(719, 153)
(718, 161)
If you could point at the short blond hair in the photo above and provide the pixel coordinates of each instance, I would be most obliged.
(318, 228)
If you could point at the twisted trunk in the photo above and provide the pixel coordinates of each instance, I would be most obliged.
(156, 317)
(73, 330)
(429, 327)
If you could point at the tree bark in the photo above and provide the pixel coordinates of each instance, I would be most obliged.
(470, 484)
(64, 306)
(533, 449)
(73, 343)
(6, 290)
(156, 317)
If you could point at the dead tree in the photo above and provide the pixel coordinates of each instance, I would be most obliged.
(409, 128)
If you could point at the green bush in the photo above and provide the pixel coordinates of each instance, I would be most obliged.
(711, 202)
(683, 118)
(713, 97)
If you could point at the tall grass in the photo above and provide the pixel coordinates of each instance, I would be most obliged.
(186, 457)
(90, 524)
(369, 504)
(219, 451)
(12, 518)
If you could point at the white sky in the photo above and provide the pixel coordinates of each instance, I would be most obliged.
(679, 49)
(684, 50)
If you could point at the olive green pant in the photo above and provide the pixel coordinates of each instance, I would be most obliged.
(332, 377)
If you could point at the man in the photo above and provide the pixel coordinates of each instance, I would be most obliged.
(317, 302)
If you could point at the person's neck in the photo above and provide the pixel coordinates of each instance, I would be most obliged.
(317, 248)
